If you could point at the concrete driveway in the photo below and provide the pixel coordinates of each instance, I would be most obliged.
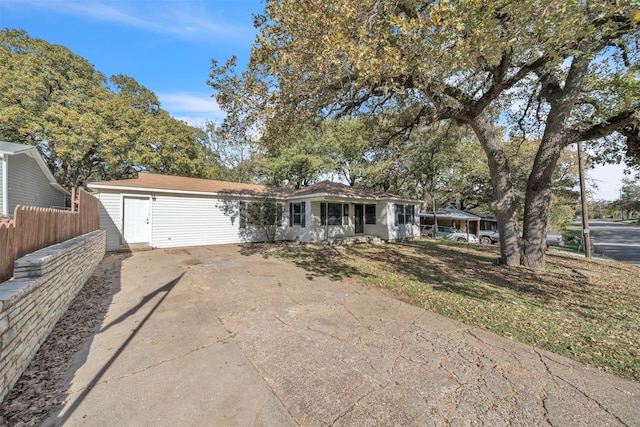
(221, 336)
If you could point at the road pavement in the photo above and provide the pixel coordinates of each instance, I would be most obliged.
(616, 240)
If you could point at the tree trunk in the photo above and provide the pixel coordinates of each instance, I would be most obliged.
(503, 204)
(538, 196)
(538, 199)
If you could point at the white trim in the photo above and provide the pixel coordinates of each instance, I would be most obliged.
(320, 197)
(5, 190)
(186, 192)
(305, 197)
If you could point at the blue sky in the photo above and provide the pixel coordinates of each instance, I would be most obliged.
(167, 46)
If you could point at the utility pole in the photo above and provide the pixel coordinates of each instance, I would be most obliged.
(585, 209)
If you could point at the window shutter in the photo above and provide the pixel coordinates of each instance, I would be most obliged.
(303, 209)
(290, 214)
(323, 214)
(242, 222)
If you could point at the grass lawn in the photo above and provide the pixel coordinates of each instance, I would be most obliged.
(588, 310)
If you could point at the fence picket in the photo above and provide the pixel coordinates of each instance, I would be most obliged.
(34, 228)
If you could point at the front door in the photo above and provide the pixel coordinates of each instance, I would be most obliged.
(358, 213)
(136, 221)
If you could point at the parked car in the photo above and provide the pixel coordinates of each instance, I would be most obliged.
(427, 230)
(489, 236)
(462, 236)
(555, 240)
(494, 237)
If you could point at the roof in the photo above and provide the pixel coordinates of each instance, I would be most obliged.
(13, 148)
(450, 213)
(327, 188)
(178, 184)
(170, 183)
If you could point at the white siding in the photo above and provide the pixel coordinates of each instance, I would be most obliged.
(379, 228)
(111, 218)
(401, 231)
(28, 186)
(193, 221)
(189, 220)
(181, 220)
(296, 232)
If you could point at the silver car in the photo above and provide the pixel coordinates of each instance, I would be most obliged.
(462, 236)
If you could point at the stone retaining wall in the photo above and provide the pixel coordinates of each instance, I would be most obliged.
(44, 284)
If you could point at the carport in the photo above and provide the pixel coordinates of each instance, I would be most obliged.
(452, 217)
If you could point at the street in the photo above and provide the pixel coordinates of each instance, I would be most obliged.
(615, 240)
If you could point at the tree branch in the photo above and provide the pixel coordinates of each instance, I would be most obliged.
(607, 127)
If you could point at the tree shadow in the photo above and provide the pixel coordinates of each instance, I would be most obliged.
(55, 418)
(322, 261)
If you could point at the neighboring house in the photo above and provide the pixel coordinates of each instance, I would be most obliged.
(453, 217)
(26, 180)
(169, 211)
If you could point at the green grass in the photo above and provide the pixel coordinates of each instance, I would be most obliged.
(594, 321)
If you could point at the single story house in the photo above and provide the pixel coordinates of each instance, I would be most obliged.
(26, 180)
(169, 211)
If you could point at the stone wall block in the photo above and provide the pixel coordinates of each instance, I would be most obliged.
(44, 284)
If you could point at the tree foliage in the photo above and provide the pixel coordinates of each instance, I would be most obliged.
(237, 159)
(629, 196)
(560, 72)
(300, 160)
(85, 125)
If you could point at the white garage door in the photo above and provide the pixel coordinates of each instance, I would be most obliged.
(137, 224)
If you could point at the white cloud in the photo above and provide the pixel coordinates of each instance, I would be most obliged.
(188, 20)
(194, 109)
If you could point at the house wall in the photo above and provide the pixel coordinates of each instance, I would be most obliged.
(380, 228)
(192, 220)
(401, 231)
(44, 284)
(182, 220)
(384, 227)
(27, 185)
(111, 218)
(296, 232)
(324, 232)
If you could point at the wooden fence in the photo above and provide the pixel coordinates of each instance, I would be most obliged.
(35, 228)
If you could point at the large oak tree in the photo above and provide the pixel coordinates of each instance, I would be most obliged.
(561, 71)
(85, 125)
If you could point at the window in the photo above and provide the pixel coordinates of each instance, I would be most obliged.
(331, 213)
(404, 214)
(297, 214)
(370, 214)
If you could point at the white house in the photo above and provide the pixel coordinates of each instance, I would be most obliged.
(168, 211)
(26, 180)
